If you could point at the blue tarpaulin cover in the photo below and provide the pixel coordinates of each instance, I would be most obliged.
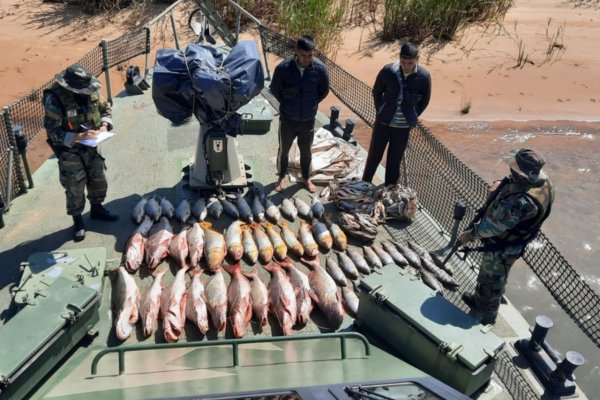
(199, 80)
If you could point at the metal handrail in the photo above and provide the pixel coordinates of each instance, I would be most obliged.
(235, 343)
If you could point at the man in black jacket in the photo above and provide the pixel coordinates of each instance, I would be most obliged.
(299, 83)
(401, 93)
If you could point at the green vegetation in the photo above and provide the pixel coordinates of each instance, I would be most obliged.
(422, 20)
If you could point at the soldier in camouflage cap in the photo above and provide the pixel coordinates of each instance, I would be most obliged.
(75, 111)
(516, 209)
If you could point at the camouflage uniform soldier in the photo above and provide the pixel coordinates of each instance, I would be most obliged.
(511, 220)
(74, 111)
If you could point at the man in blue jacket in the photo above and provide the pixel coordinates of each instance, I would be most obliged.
(401, 93)
(299, 83)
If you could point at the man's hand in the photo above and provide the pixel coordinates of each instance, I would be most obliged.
(90, 134)
(465, 237)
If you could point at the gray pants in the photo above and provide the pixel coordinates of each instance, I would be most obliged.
(81, 169)
(288, 131)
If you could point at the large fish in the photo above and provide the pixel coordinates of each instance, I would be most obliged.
(359, 261)
(195, 239)
(336, 272)
(183, 210)
(279, 247)
(259, 297)
(133, 255)
(138, 212)
(199, 209)
(216, 299)
(412, 257)
(272, 212)
(440, 263)
(371, 257)
(257, 209)
(282, 299)
(214, 207)
(301, 286)
(324, 293)
(174, 313)
(322, 235)
(214, 246)
(398, 258)
(317, 207)
(350, 301)
(430, 280)
(244, 209)
(311, 248)
(233, 240)
(340, 241)
(230, 208)
(382, 254)
(126, 300)
(291, 240)
(250, 248)
(152, 208)
(157, 245)
(195, 306)
(166, 207)
(428, 263)
(288, 209)
(304, 210)
(151, 302)
(265, 248)
(238, 297)
(178, 248)
(347, 266)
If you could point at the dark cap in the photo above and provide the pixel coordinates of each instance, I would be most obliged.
(528, 163)
(78, 79)
(409, 50)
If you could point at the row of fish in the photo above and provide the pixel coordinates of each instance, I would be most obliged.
(259, 209)
(289, 297)
(153, 242)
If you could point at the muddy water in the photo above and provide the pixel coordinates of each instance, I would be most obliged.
(572, 152)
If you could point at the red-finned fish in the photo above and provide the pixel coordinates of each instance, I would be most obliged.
(250, 248)
(133, 255)
(195, 239)
(291, 240)
(259, 297)
(265, 248)
(336, 272)
(151, 302)
(311, 248)
(174, 314)
(157, 245)
(216, 299)
(178, 248)
(340, 241)
(350, 301)
(279, 247)
(324, 293)
(126, 300)
(195, 306)
(322, 235)
(214, 246)
(282, 300)
(233, 240)
(238, 297)
(301, 286)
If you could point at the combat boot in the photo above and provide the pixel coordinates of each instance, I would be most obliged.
(469, 300)
(101, 213)
(78, 228)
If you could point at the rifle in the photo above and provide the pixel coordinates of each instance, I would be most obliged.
(478, 216)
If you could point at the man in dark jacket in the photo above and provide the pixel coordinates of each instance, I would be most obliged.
(401, 93)
(299, 83)
(75, 111)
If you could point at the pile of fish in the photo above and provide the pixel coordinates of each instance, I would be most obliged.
(395, 202)
(353, 195)
(359, 225)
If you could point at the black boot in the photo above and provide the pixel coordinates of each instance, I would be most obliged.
(78, 228)
(469, 300)
(101, 213)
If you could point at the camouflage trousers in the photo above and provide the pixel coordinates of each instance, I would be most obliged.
(81, 169)
(491, 282)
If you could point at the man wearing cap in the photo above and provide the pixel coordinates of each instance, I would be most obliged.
(401, 93)
(515, 211)
(75, 111)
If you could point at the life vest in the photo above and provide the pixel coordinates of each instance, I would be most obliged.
(75, 114)
(525, 231)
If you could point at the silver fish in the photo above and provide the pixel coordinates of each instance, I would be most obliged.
(304, 211)
(382, 254)
(336, 272)
(399, 259)
(244, 209)
(183, 210)
(288, 209)
(412, 257)
(361, 264)
(350, 301)
(138, 211)
(440, 264)
(301, 286)
(199, 209)
(272, 211)
(430, 281)
(347, 266)
(166, 207)
(195, 306)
